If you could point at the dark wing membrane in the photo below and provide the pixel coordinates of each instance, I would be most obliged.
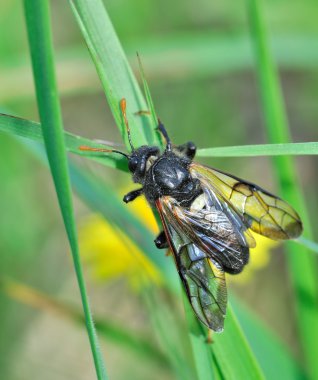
(202, 277)
(262, 212)
(219, 232)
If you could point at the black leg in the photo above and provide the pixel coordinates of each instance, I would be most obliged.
(164, 133)
(189, 149)
(132, 195)
(161, 241)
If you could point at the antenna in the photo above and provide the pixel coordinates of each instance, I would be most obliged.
(123, 111)
(91, 149)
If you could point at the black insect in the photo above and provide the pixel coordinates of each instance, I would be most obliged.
(206, 217)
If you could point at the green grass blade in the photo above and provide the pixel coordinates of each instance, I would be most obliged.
(150, 104)
(113, 69)
(302, 264)
(33, 131)
(289, 149)
(40, 40)
(201, 351)
(308, 244)
(232, 352)
(273, 356)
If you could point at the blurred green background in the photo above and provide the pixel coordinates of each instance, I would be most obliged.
(199, 65)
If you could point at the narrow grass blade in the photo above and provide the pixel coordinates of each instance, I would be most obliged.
(273, 356)
(232, 352)
(308, 244)
(40, 40)
(302, 264)
(289, 149)
(150, 104)
(201, 351)
(33, 131)
(113, 69)
(170, 333)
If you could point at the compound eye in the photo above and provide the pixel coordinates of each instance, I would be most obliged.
(132, 164)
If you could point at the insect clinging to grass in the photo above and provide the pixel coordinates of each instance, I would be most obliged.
(206, 216)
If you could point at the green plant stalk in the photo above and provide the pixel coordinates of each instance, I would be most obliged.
(302, 265)
(32, 130)
(114, 70)
(288, 149)
(39, 33)
(273, 355)
(202, 356)
(233, 353)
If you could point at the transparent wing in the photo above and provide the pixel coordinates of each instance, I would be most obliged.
(261, 211)
(222, 236)
(202, 277)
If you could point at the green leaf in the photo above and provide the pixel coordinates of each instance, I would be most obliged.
(113, 69)
(302, 264)
(232, 352)
(289, 149)
(273, 356)
(308, 244)
(40, 40)
(201, 351)
(33, 131)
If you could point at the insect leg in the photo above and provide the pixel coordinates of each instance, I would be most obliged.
(161, 241)
(189, 149)
(164, 132)
(132, 195)
(142, 112)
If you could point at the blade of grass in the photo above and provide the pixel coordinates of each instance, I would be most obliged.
(150, 104)
(33, 131)
(288, 149)
(308, 244)
(201, 353)
(40, 40)
(233, 353)
(302, 265)
(170, 333)
(113, 69)
(273, 356)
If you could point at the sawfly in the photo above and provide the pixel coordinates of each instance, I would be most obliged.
(206, 216)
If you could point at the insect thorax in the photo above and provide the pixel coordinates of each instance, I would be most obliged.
(169, 175)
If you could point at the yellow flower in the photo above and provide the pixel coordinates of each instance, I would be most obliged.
(111, 253)
(259, 258)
